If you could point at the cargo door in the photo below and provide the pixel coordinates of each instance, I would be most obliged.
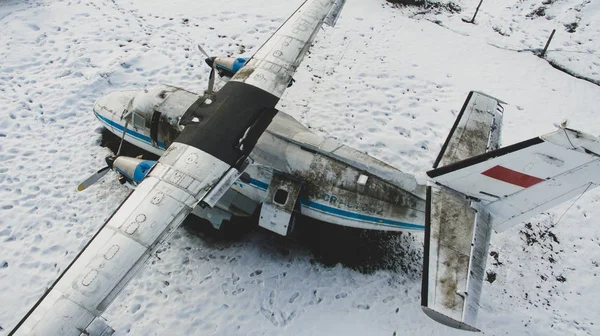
(276, 211)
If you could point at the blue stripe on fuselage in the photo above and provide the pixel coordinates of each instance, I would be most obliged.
(343, 213)
(130, 132)
(259, 184)
(356, 216)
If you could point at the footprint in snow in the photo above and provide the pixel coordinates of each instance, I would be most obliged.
(289, 319)
(341, 296)
(316, 300)
(294, 297)
(271, 298)
(135, 308)
(269, 315)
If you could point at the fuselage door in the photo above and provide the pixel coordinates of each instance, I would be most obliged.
(277, 208)
(154, 128)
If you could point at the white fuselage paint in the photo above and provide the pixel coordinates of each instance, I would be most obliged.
(289, 147)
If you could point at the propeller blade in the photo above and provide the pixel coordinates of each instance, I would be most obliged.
(211, 80)
(202, 51)
(122, 137)
(93, 179)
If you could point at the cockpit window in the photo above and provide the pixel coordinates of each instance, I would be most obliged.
(138, 120)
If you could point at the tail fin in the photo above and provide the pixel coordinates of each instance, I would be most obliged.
(519, 181)
(479, 188)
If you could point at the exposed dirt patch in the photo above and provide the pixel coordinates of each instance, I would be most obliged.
(495, 256)
(429, 6)
(571, 27)
(490, 276)
(538, 12)
(363, 250)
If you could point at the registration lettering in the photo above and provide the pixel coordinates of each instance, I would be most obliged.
(354, 206)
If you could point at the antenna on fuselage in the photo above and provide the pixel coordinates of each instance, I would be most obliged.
(127, 116)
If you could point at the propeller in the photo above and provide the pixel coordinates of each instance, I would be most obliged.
(93, 179)
(202, 51)
(213, 67)
(97, 176)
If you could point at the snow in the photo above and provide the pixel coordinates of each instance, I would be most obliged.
(385, 80)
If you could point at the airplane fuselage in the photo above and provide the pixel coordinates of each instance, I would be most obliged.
(336, 183)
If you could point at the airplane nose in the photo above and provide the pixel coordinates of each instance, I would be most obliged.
(210, 61)
(113, 103)
(99, 104)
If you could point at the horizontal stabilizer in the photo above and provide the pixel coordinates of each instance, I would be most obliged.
(519, 181)
(475, 131)
(456, 245)
(457, 231)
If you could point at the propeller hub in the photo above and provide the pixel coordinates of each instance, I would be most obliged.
(110, 160)
(210, 61)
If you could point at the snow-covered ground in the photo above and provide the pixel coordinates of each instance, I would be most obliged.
(385, 80)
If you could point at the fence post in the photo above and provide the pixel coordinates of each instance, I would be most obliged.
(548, 43)
(474, 15)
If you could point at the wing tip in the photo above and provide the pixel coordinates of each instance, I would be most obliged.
(447, 321)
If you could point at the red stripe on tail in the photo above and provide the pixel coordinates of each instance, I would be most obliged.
(512, 176)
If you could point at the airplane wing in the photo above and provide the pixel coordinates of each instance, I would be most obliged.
(197, 168)
(494, 189)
